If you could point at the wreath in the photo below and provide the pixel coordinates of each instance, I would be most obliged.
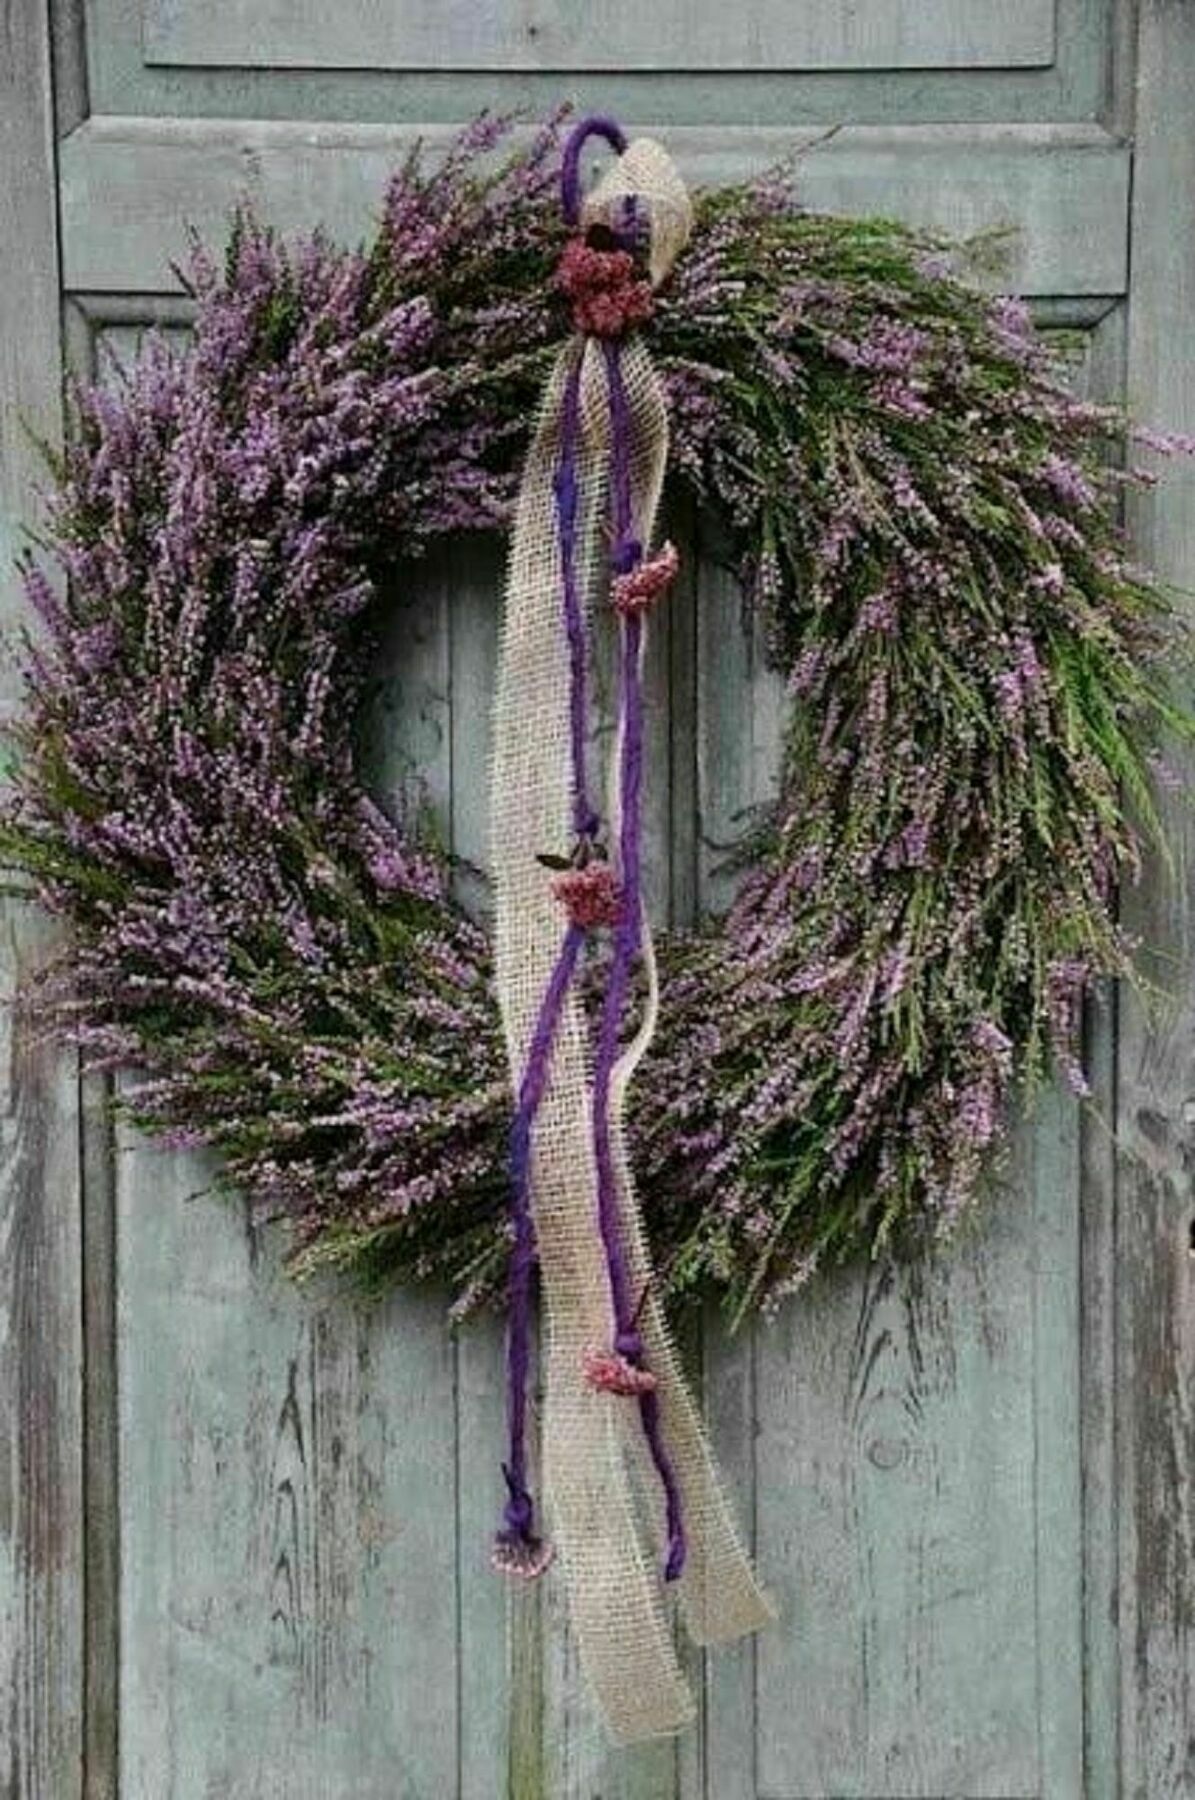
(924, 519)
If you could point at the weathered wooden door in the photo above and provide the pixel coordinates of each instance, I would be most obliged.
(243, 1534)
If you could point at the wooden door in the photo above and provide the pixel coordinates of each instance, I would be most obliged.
(243, 1533)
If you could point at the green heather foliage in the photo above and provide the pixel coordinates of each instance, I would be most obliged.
(922, 515)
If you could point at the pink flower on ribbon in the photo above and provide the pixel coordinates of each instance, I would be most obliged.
(639, 590)
(609, 1373)
(608, 297)
(590, 895)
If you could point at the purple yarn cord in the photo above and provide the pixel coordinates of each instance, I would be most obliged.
(626, 553)
(564, 486)
(520, 1511)
(596, 125)
(520, 1508)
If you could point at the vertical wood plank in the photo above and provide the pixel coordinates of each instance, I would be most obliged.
(1101, 1568)
(101, 1481)
(918, 1480)
(290, 1464)
(41, 1546)
(499, 1647)
(287, 1504)
(1156, 1064)
(1103, 378)
(738, 721)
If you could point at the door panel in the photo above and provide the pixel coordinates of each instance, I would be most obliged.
(567, 35)
(283, 1589)
(766, 61)
(1053, 198)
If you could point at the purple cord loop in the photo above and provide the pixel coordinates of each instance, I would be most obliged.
(517, 1549)
(594, 125)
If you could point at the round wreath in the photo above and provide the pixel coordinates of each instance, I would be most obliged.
(925, 519)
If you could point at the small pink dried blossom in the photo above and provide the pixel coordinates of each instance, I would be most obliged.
(591, 896)
(638, 591)
(607, 1372)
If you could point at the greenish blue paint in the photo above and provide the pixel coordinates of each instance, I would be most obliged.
(955, 1476)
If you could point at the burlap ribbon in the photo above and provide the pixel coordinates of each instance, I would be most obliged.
(602, 1479)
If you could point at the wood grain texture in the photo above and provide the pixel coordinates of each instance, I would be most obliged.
(1156, 1238)
(41, 1545)
(930, 1462)
(1059, 192)
(565, 36)
(1101, 377)
(288, 1493)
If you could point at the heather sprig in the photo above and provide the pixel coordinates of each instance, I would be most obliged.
(923, 515)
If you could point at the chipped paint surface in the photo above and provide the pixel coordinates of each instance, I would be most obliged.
(969, 1483)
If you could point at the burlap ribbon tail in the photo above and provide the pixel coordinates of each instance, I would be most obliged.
(618, 1469)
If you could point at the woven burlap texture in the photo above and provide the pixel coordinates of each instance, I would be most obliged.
(605, 1510)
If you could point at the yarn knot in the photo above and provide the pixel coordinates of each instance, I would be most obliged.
(526, 1558)
(519, 1512)
(517, 1550)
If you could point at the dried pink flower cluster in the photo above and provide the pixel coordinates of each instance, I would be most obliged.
(608, 298)
(591, 895)
(640, 590)
(606, 1372)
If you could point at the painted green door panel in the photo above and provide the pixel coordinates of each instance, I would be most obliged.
(781, 62)
(567, 36)
(967, 1483)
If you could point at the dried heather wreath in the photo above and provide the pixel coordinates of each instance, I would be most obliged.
(925, 520)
